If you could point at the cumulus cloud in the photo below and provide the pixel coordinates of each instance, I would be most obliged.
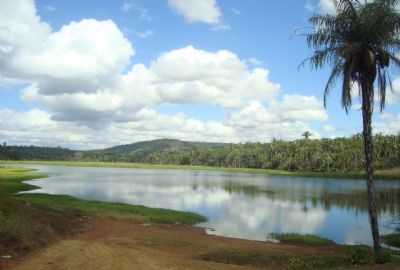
(327, 6)
(37, 127)
(285, 119)
(393, 95)
(73, 59)
(92, 96)
(69, 60)
(182, 76)
(389, 124)
(204, 11)
(189, 75)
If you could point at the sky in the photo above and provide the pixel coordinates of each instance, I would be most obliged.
(93, 74)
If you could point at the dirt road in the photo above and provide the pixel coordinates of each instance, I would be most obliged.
(126, 245)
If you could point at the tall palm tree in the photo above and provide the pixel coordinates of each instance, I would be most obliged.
(359, 42)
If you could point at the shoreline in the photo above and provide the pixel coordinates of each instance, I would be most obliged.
(393, 174)
(114, 243)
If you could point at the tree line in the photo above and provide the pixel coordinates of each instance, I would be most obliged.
(311, 155)
(324, 155)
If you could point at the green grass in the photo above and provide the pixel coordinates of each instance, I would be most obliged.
(271, 261)
(24, 226)
(300, 239)
(392, 239)
(350, 257)
(393, 174)
(11, 182)
(146, 214)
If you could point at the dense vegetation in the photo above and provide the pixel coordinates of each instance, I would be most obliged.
(325, 155)
(35, 153)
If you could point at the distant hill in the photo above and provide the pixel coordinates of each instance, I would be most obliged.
(135, 152)
(159, 145)
(145, 151)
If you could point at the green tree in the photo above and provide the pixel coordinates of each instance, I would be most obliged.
(359, 42)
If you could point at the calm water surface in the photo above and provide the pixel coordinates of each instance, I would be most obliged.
(237, 205)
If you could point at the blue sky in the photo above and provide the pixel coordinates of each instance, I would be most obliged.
(138, 84)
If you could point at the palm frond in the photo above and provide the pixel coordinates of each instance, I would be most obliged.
(337, 71)
(321, 57)
(359, 42)
(382, 76)
(348, 69)
(394, 59)
(347, 6)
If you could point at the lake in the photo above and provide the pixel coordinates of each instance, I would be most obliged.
(244, 206)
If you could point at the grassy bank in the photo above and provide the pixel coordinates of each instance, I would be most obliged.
(393, 174)
(392, 239)
(32, 220)
(299, 239)
(11, 182)
(353, 258)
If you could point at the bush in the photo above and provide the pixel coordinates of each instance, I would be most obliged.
(360, 255)
(308, 239)
(392, 240)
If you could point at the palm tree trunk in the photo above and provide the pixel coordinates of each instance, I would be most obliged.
(367, 102)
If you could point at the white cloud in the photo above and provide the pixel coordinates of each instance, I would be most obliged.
(182, 76)
(80, 47)
(35, 127)
(19, 26)
(310, 6)
(300, 108)
(393, 95)
(69, 60)
(328, 128)
(285, 119)
(327, 6)
(204, 11)
(189, 75)
(389, 124)
(96, 99)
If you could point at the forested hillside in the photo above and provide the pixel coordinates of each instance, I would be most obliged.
(144, 151)
(325, 155)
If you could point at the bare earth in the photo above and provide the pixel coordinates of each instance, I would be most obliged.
(125, 244)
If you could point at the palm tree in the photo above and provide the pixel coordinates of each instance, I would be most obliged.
(359, 42)
(306, 135)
